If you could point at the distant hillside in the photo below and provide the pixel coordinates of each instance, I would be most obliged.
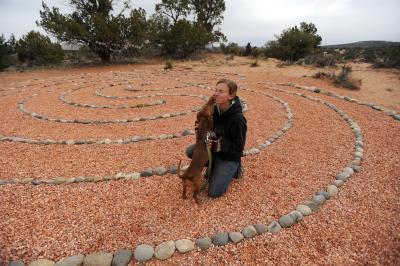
(363, 44)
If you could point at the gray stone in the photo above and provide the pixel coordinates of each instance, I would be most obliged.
(71, 261)
(122, 257)
(132, 176)
(312, 205)
(203, 243)
(304, 209)
(326, 195)
(261, 228)
(342, 176)
(274, 227)
(160, 170)
(70, 142)
(348, 170)
(254, 151)
(16, 263)
(236, 237)
(143, 252)
(98, 259)
(184, 245)
(249, 231)
(356, 168)
(147, 172)
(358, 155)
(59, 180)
(186, 132)
(165, 250)
(173, 169)
(337, 183)
(220, 239)
(42, 262)
(287, 220)
(319, 199)
(332, 190)
(298, 216)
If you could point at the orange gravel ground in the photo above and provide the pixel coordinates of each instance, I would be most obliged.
(358, 227)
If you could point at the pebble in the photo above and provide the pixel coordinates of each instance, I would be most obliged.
(332, 190)
(147, 172)
(121, 258)
(143, 252)
(342, 177)
(42, 262)
(220, 239)
(319, 199)
(16, 263)
(348, 170)
(71, 261)
(337, 183)
(304, 209)
(326, 195)
(274, 227)
(236, 237)
(165, 250)
(184, 245)
(98, 259)
(249, 231)
(132, 176)
(160, 170)
(203, 243)
(261, 228)
(287, 220)
(312, 205)
(296, 215)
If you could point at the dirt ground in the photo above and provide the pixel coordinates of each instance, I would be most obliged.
(358, 227)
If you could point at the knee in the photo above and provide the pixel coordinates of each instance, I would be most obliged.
(213, 193)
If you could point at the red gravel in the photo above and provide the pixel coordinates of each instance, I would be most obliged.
(360, 226)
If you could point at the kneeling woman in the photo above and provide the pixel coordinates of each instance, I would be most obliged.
(230, 128)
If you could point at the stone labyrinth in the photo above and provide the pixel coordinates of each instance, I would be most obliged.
(126, 127)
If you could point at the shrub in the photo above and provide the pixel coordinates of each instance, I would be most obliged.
(345, 80)
(37, 49)
(168, 64)
(255, 63)
(231, 48)
(321, 60)
(7, 49)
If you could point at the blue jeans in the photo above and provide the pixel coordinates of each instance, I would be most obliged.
(221, 175)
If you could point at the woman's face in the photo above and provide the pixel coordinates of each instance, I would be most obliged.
(221, 94)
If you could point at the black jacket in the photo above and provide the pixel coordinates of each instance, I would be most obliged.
(231, 128)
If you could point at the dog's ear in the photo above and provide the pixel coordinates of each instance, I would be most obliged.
(211, 101)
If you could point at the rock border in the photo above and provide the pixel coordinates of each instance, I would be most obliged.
(374, 106)
(166, 249)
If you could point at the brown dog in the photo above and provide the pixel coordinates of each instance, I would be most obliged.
(200, 155)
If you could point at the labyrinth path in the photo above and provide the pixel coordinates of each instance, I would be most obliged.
(88, 164)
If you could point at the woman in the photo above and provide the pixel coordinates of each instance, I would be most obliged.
(230, 128)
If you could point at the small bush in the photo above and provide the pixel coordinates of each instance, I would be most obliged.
(321, 75)
(230, 57)
(345, 80)
(168, 64)
(320, 60)
(255, 63)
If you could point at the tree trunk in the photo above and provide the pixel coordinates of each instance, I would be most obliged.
(105, 56)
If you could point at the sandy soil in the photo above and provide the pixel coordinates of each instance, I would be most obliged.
(359, 227)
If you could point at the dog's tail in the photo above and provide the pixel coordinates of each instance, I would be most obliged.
(179, 169)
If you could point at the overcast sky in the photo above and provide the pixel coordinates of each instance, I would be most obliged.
(337, 21)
